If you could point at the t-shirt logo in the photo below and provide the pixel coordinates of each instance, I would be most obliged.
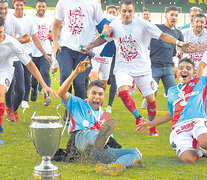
(76, 19)
(128, 48)
(42, 32)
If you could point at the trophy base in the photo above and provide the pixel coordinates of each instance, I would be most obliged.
(46, 171)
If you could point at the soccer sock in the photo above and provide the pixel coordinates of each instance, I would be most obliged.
(152, 110)
(2, 109)
(129, 103)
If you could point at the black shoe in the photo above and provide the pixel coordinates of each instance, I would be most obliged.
(105, 131)
(34, 95)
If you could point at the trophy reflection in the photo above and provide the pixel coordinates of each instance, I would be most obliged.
(46, 136)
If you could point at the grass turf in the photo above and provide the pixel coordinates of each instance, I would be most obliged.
(18, 156)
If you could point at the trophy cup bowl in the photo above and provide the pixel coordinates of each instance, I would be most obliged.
(46, 136)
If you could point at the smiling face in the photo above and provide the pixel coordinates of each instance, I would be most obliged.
(185, 72)
(192, 15)
(127, 12)
(146, 15)
(19, 8)
(41, 8)
(112, 11)
(199, 24)
(171, 18)
(96, 96)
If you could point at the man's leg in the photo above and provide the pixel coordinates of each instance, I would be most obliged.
(188, 157)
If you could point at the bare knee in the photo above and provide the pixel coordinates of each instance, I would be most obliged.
(188, 157)
(202, 139)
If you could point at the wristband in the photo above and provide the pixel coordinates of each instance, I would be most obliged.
(177, 42)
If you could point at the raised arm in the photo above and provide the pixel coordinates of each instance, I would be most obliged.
(63, 91)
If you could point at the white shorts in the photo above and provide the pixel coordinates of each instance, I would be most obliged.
(6, 78)
(102, 65)
(146, 84)
(184, 137)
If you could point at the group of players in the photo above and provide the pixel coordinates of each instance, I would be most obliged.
(143, 56)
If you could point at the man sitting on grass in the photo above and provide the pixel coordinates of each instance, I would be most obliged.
(187, 111)
(90, 127)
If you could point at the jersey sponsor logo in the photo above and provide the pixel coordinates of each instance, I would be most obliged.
(76, 19)
(186, 127)
(85, 123)
(193, 93)
(128, 48)
(7, 82)
(191, 84)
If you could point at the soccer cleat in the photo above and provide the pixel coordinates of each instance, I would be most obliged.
(16, 117)
(25, 104)
(47, 100)
(1, 129)
(139, 121)
(113, 169)
(202, 152)
(10, 114)
(34, 95)
(153, 131)
(108, 109)
(144, 104)
(1, 142)
(105, 131)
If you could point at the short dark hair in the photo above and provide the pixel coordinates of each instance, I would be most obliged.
(188, 60)
(171, 8)
(200, 15)
(41, 1)
(145, 9)
(127, 2)
(97, 83)
(3, 1)
(111, 7)
(1, 21)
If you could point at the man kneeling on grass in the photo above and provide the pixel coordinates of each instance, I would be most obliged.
(90, 127)
(187, 110)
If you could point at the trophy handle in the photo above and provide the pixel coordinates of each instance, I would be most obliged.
(67, 119)
(25, 120)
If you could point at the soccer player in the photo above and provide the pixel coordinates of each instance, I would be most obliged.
(193, 11)
(198, 36)
(132, 36)
(9, 48)
(91, 127)
(187, 111)
(79, 27)
(44, 26)
(146, 15)
(19, 5)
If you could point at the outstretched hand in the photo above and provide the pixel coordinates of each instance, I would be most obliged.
(144, 125)
(82, 65)
(187, 46)
(47, 90)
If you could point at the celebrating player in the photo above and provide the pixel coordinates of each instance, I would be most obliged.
(187, 111)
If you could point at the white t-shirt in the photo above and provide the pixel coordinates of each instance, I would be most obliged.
(30, 27)
(9, 49)
(44, 26)
(189, 36)
(80, 19)
(132, 42)
(204, 59)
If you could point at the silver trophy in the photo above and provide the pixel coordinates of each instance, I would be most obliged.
(46, 136)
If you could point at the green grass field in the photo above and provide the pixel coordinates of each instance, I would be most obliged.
(18, 156)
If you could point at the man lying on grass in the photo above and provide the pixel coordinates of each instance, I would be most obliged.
(90, 128)
(187, 111)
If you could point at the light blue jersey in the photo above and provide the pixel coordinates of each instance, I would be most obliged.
(194, 94)
(82, 116)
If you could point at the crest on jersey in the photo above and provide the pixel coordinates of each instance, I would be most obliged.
(7, 82)
(191, 84)
(152, 85)
(88, 113)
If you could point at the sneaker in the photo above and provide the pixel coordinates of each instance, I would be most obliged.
(39, 92)
(16, 117)
(25, 104)
(108, 109)
(10, 114)
(1, 142)
(47, 100)
(1, 129)
(153, 131)
(113, 169)
(144, 104)
(202, 152)
(33, 95)
(105, 131)
(139, 121)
